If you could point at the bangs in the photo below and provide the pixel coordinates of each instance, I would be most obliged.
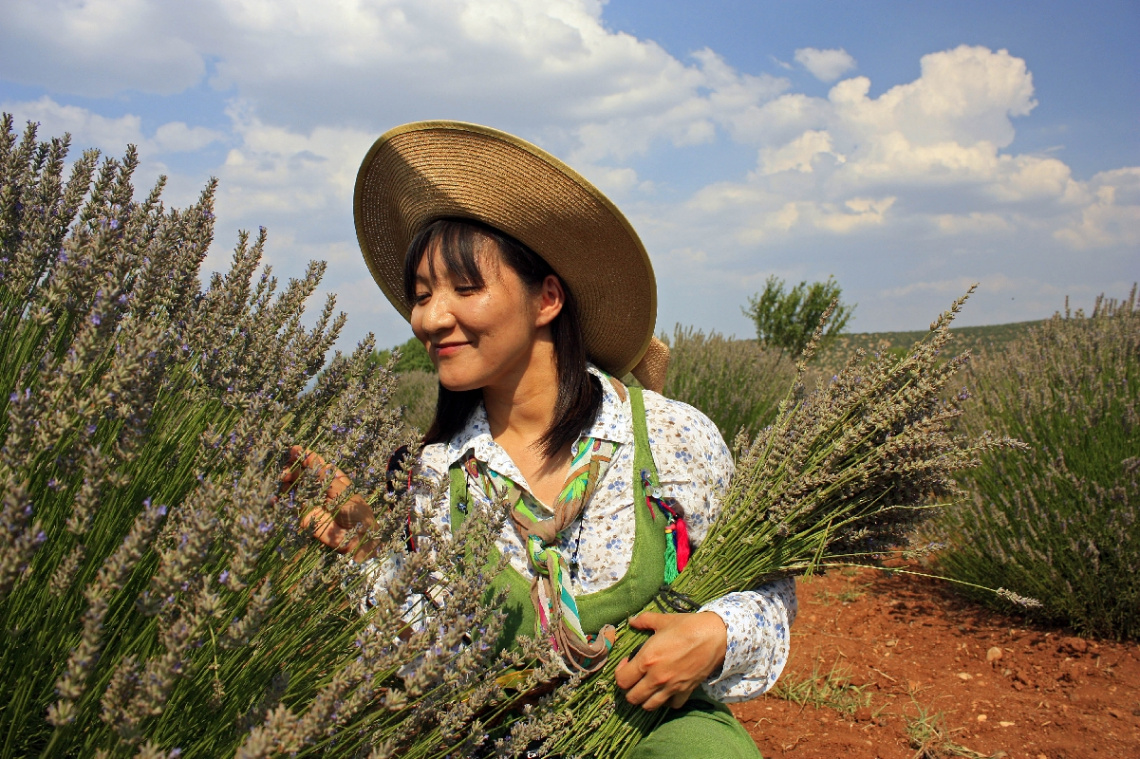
(457, 241)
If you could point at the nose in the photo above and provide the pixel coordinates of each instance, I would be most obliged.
(436, 315)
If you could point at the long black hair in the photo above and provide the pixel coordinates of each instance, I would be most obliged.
(579, 392)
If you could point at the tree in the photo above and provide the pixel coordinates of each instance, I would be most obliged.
(413, 357)
(786, 320)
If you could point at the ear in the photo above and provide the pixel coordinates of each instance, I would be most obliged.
(551, 297)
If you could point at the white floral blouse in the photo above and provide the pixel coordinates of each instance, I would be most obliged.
(694, 467)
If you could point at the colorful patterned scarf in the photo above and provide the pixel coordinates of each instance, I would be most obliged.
(557, 610)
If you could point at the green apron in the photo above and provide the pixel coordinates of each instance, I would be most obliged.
(702, 727)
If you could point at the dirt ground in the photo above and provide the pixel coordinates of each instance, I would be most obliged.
(892, 666)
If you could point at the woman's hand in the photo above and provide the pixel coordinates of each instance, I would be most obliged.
(683, 652)
(333, 529)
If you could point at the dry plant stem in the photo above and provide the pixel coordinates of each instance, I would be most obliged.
(846, 472)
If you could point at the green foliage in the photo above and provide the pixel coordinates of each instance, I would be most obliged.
(1060, 523)
(736, 383)
(412, 357)
(787, 319)
(416, 393)
(156, 597)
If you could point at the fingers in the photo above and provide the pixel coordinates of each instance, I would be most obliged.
(649, 620)
(626, 675)
(653, 690)
(343, 526)
(326, 529)
(644, 685)
(299, 461)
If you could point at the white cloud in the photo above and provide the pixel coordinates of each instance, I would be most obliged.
(909, 183)
(101, 47)
(111, 135)
(825, 65)
(549, 69)
(1113, 218)
(799, 154)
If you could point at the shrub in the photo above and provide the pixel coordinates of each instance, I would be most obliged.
(786, 320)
(1060, 523)
(413, 357)
(736, 383)
(156, 598)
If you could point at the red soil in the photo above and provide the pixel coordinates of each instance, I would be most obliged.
(991, 685)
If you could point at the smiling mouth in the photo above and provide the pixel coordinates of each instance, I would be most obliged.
(447, 349)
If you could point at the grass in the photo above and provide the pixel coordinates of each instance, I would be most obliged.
(931, 739)
(832, 689)
(846, 596)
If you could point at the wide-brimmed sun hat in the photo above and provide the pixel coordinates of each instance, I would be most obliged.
(427, 170)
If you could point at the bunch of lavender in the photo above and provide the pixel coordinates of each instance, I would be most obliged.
(156, 595)
(705, 371)
(1061, 522)
(844, 474)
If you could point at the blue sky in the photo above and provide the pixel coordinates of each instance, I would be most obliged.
(908, 148)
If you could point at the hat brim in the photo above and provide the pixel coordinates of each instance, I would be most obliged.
(420, 172)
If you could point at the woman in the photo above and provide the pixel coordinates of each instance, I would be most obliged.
(532, 293)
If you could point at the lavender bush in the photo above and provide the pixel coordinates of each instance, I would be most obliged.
(157, 598)
(738, 384)
(1062, 522)
(845, 474)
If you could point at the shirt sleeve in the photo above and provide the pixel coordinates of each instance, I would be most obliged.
(695, 468)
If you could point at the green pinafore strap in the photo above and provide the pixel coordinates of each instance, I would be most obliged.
(614, 604)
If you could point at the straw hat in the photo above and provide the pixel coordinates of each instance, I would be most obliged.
(420, 172)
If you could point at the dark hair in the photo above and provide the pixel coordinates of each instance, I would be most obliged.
(579, 392)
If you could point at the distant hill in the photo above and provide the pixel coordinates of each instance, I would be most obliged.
(977, 340)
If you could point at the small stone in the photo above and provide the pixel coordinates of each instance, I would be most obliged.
(993, 654)
(1007, 724)
(1041, 756)
(982, 718)
(965, 676)
(891, 643)
(1116, 713)
(863, 714)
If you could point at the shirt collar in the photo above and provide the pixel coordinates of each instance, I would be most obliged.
(613, 423)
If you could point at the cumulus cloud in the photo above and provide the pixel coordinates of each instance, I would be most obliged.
(101, 47)
(110, 135)
(825, 65)
(916, 182)
(551, 70)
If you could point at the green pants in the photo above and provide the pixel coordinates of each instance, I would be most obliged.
(701, 728)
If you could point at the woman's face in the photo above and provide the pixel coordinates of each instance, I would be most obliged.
(480, 336)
